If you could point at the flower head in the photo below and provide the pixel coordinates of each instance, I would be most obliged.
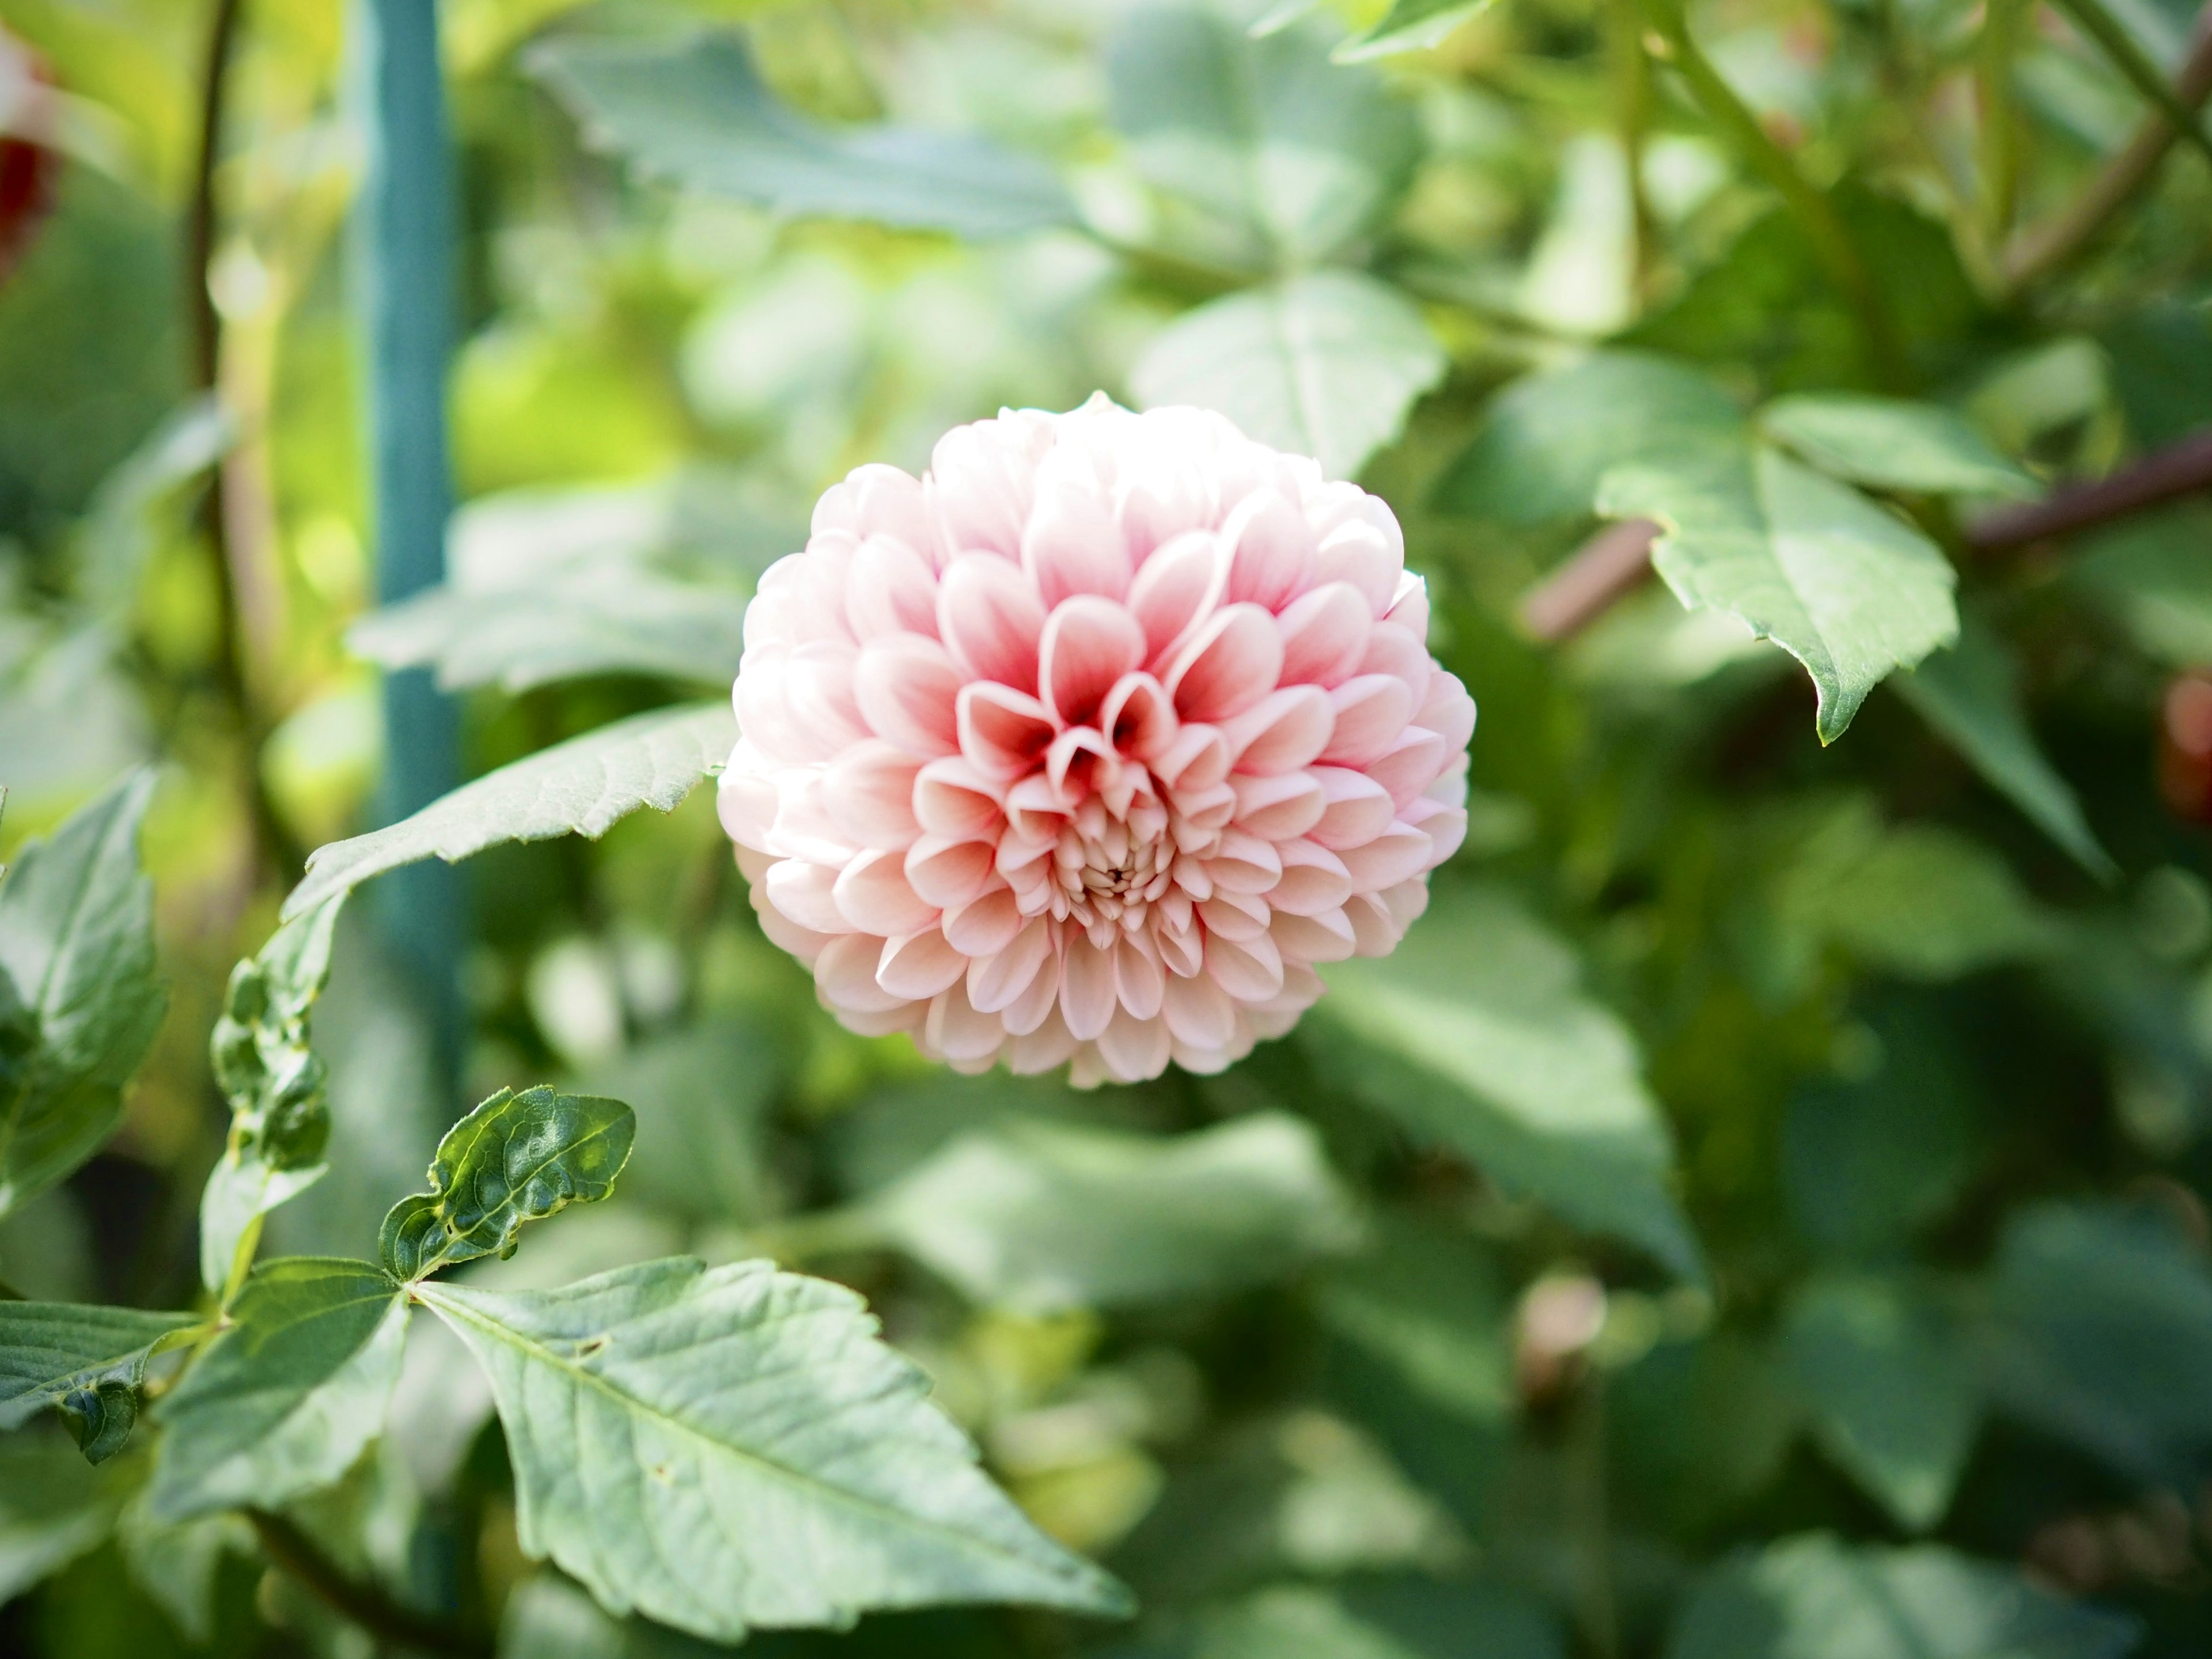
(1088, 744)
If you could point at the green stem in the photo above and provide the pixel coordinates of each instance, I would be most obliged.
(364, 1605)
(825, 1232)
(1824, 228)
(1993, 55)
(1630, 71)
(1601, 1618)
(2133, 62)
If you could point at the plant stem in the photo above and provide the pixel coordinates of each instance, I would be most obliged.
(2132, 61)
(2043, 250)
(2000, 115)
(365, 1605)
(1630, 71)
(1600, 1619)
(1816, 214)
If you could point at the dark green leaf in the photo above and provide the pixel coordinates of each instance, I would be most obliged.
(1892, 443)
(279, 1120)
(1429, 1304)
(1847, 587)
(694, 112)
(1476, 1033)
(1969, 694)
(582, 787)
(1038, 1216)
(721, 1448)
(53, 1508)
(1888, 1371)
(79, 999)
(1814, 1597)
(177, 1566)
(50, 1353)
(518, 1157)
(1390, 1619)
(1277, 158)
(1697, 1429)
(101, 1417)
(1325, 364)
(284, 1400)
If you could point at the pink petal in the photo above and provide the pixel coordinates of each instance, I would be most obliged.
(886, 501)
(805, 893)
(868, 793)
(1374, 933)
(1409, 765)
(1359, 809)
(997, 981)
(951, 873)
(890, 589)
(1230, 664)
(1371, 710)
(1245, 863)
(1250, 970)
(1399, 854)
(1361, 554)
(1137, 717)
(1133, 1049)
(1072, 761)
(1071, 546)
(1089, 643)
(819, 698)
(919, 965)
(1204, 811)
(978, 488)
(1035, 811)
(906, 686)
(985, 926)
(845, 975)
(785, 934)
(1197, 759)
(1277, 808)
(1410, 609)
(745, 803)
(1002, 731)
(1314, 879)
(1324, 634)
(1391, 650)
(1444, 826)
(871, 894)
(1139, 981)
(1408, 900)
(1324, 936)
(1181, 952)
(990, 619)
(1179, 586)
(1281, 733)
(1446, 710)
(1235, 916)
(955, 1031)
(1198, 1011)
(954, 798)
(1033, 1008)
(1274, 550)
(1049, 1044)
(1086, 988)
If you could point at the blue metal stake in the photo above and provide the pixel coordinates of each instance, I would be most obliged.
(405, 270)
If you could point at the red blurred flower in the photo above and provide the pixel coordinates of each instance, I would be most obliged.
(27, 159)
(2185, 746)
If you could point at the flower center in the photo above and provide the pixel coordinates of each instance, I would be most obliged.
(1112, 865)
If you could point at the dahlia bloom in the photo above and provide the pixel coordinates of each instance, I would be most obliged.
(1087, 744)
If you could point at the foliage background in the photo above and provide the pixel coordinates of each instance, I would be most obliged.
(1762, 1209)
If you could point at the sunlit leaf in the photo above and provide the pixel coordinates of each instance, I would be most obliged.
(1847, 587)
(1476, 1033)
(1815, 1597)
(1325, 365)
(725, 1447)
(79, 996)
(1403, 1618)
(1891, 1380)
(694, 112)
(1410, 26)
(1892, 443)
(582, 787)
(284, 1400)
(1036, 1217)
(516, 1158)
(280, 1121)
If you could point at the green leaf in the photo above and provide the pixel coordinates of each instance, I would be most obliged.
(2150, 573)
(1325, 364)
(284, 1400)
(727, 1448)
(53, 1508)
(1410, 26)
(582, 787)
(1697, 1429)
(694, 112)
(1895, 1400)
(1892, 443)
(177, 1566)
(51, 1349)
(79, 998)
(518, 1157)
(1038, 1216)
(703, 1095)
(1403, 1618)
(1476, 1033)
(280, 1118)
(1430, 1305)
(2141, 70)
(1971, 695)
(1844, 586)
(1275, 158)
(1815, 1597)
(1550, 439)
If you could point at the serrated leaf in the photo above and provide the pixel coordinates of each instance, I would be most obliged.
(1410, 26)
(51, 1351)
(1844, 586)
(729, 1448)
(694, 112)
(1273, 157)
(79, 997)
(582, 787)
(516, 1158)
(1325, 364)
(280, 1118)
(1894, 443)
(1476, 1033)
(1038, 1216)
(1891, 1381)
(1550, 439)
(1970, 695)
(285, 1398)
(53, 1508)
(1815, 1597)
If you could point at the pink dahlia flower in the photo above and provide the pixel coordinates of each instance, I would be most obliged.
(1088, 744)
